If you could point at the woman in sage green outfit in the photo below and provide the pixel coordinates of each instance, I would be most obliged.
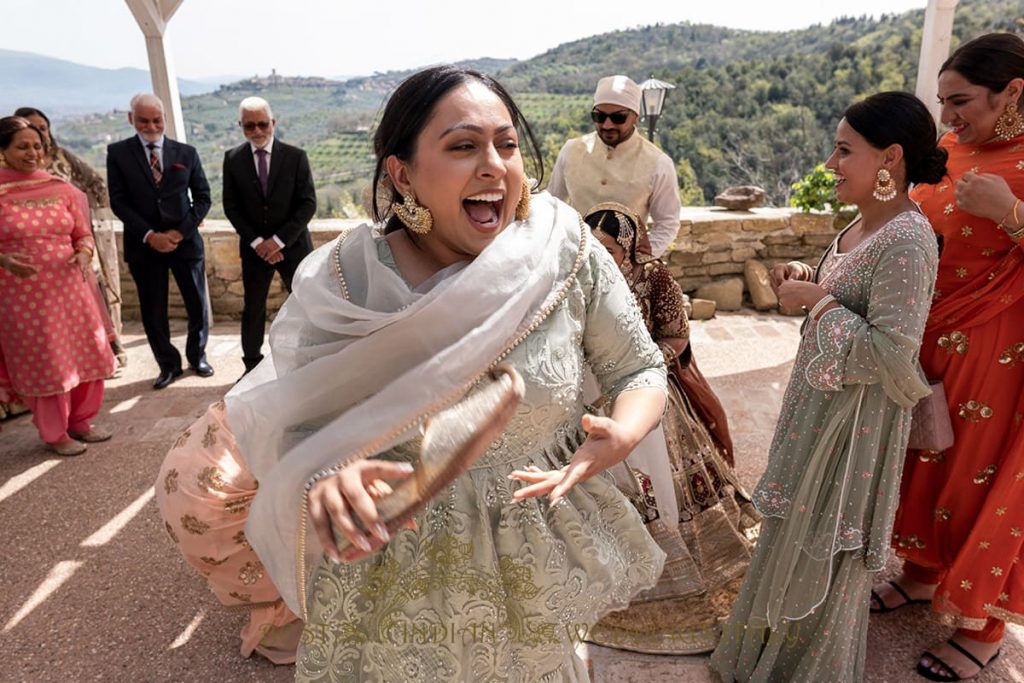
(831, 487)
(499, 581)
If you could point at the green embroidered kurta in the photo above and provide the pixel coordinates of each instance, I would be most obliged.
(832, 483)
(488, 589)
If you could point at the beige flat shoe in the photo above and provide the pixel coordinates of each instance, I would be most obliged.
(67, 448)
(94, 435)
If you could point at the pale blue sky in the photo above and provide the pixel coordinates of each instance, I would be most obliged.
(338, 37)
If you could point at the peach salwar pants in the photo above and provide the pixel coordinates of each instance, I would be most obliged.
(203, 492)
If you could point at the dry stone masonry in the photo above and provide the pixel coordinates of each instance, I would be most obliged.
(712, 248)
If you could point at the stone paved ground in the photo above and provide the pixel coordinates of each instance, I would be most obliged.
(92, 590)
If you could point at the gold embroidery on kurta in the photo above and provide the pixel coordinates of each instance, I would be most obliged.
(193, 525)
(942, 514)
(947, 209)
(911, 541)
(210, 479)
(973, 411)
(966, 585)
(171, 481)
(241, 597)
(967, 231)
(251, 572)
(209, 438)
(1000, 511)
(997, 571)
(170, 532)
(932, 456)
(240, 539)
(955, 341)
(985, 475)
(235, 507)
(961, 272)
(182, 439)
(212, 561)
(984, 545)
(1012, 355)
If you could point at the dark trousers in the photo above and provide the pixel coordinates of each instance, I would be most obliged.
(150, 275)
(256, 277)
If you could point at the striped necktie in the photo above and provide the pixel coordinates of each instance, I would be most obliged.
(154, 163)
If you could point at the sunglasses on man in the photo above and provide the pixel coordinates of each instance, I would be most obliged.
(617, 117)
(253, 125)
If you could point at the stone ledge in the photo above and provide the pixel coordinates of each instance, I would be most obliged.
(712, 244)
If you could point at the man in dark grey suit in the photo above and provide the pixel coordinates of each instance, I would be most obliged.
(151, 178)
(269, 198)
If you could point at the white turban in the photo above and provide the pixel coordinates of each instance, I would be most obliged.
(620, 90)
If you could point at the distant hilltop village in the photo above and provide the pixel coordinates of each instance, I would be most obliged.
(275, 80)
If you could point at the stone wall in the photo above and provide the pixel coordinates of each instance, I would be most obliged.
(716, 243)
(712, 244)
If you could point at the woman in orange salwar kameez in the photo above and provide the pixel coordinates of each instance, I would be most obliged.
(960, 525)
(55, 352)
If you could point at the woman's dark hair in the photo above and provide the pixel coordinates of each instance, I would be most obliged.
(11, 126)
(604, 220)
(991, 61)
(411, 107)
(899, 118)
(25, 112)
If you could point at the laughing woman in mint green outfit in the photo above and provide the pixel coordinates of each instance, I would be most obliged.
(830, 491)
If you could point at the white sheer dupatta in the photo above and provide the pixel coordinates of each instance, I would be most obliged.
(358, 359)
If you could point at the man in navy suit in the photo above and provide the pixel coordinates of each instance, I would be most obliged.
(269, 198)
(150, 178)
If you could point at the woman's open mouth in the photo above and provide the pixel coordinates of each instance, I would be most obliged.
(484, 210)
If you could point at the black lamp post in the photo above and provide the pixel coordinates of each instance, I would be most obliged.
(651, 102)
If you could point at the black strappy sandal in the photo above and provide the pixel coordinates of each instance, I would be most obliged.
(907, 600)
(948, 674)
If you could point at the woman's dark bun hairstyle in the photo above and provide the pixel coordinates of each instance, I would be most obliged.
(899, 118)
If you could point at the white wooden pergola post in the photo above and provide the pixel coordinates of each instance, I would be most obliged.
(935, 40)
(152, 17)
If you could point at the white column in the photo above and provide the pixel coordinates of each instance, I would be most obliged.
(935, 39)
(152, 17)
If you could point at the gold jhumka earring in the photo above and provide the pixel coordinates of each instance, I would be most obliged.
(1010, 123)
(523, 207)
(3, 160)
(885, 186)
(417, 218)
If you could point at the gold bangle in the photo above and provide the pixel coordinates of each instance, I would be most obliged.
(1016, 221)
(1016, 234)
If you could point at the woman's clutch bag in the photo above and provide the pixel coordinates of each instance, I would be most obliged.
(453, 440)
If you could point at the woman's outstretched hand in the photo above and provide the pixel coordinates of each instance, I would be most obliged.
(608, 443)
(348, 495)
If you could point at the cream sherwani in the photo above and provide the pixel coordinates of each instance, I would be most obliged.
(635, 173)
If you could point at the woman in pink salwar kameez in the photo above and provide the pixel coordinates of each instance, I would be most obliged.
(54, 349)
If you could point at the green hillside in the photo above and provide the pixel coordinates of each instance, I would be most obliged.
(749, 107)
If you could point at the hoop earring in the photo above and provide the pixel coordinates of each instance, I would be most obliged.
(523, 207)
(1010, 123)
(415, 217)
(885, 186)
